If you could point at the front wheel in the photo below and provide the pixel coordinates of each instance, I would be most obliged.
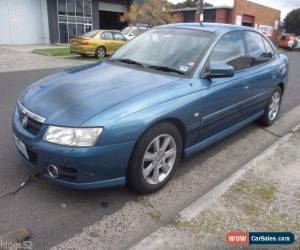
(272, 108)
(155, 158)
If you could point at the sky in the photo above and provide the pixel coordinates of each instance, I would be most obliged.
(284, 5)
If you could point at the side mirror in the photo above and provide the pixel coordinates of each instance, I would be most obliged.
(219, 71)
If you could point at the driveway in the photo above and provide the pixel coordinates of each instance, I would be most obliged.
(17, 57)
(53, 214)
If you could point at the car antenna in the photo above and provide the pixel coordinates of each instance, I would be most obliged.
(200, 11)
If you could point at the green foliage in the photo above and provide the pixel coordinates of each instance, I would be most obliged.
(292, 22)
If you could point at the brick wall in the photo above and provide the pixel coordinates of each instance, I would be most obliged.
(263, 15)
(223, 16)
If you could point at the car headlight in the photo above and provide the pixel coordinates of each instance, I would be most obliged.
(74, 137)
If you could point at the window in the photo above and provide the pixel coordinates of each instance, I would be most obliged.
(176, 49)
(71, 7)
(79, 7)
(269, 49)
(230, 50)
(107, 36)
(118, 37)
(62, 7)
(257, 50)
(80, 29)
(74, 18)
(88, 8)
(91, 34)
(72, 29)
(63, 31)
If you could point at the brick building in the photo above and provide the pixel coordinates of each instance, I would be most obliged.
(243, 12)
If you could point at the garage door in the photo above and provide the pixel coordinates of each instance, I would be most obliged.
(23, 22)
(109, 14)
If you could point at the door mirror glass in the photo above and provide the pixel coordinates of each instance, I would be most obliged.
(220, 71)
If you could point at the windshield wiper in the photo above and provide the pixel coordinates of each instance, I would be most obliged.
(166, 69)
(128, 61)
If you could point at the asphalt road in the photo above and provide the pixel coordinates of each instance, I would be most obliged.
(53, 214)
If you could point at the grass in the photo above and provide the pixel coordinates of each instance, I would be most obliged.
(54, 51)
(265, 193)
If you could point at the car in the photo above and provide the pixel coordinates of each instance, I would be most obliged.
(285, 39)
(98, 43)
(165, 95)
(133, 31)
(294, 44)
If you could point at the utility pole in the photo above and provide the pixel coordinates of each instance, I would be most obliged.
(200, 10)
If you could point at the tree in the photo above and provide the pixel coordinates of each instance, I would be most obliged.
(292, 22)
(150, 12)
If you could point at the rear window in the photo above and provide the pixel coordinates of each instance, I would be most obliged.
(283, 37)
(127, 30)
(91, 34)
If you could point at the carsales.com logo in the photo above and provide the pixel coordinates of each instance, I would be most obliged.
(260, 238)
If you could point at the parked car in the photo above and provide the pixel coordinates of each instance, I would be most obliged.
(294, 44)
(285, 39)
(98, 43)
(131, 118)
(132, 32)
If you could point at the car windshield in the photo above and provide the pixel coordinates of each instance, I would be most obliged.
(127, 30)
(173, 50)
(91, 34)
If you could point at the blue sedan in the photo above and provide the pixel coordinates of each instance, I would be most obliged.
(165, 95)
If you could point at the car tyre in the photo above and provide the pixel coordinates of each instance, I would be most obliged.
(100, 52)
(272, 108)
(160, 146)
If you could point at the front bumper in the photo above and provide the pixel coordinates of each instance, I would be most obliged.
(84, 168)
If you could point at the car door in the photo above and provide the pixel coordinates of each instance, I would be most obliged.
(263, 71)
(223, 96)
(108, 40)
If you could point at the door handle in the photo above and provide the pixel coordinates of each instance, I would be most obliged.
(274, 75)
(246, 86)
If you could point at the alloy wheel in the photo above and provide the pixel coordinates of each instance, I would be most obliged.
(159, 159)
(100, 52)
(274, 105)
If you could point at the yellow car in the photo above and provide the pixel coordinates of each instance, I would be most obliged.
(98, 43)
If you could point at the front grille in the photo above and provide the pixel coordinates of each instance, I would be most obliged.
(33, 126)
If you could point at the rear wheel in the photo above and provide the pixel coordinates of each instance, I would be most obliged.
(272, 108)
(155, 158)
(100, 52)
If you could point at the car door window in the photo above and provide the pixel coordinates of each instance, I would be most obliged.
(230, 50)
(256, 47)
(269, 49)
(118, 37)
(107, 36)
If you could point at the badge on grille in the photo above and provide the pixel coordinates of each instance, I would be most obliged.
(25, 121)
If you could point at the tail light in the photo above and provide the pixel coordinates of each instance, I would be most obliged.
(84, 42)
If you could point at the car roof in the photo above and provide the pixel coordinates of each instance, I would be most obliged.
(217, 28)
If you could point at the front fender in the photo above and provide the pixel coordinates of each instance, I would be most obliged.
(186, 109)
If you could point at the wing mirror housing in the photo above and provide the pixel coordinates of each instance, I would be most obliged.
(219, 71)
